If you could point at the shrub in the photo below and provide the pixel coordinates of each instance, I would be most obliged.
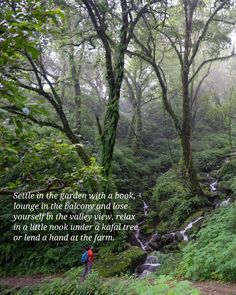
(228, 170)
(213, 254)
(173, 200)
(72, 285)
(210, 159)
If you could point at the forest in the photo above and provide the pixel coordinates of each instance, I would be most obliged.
(134, 99)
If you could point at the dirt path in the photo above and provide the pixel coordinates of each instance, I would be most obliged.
(19, 282)
(215, 288)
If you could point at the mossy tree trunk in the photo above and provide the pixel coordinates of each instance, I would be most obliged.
(114, 59)
(186, 131)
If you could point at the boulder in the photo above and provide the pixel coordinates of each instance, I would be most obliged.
(120, 263)
(167, 239)
(155, 241)
(225, 187)
(194, 217)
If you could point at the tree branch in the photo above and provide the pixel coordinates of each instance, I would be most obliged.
(197, 44)
(220, 58)
(49, 188)
(16, 111)
(174, 47)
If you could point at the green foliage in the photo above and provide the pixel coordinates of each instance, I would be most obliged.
(169, 263)
(139, 173)
(120, 263)
(22, 23)
(94, 285)
(228, 170)
(173, 200)
(209, 159)
(28, 163)
(213, 254)
(162, 285)
(115, 246)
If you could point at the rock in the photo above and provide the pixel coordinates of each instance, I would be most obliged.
(150, 265)
(212, 196)
(155, 241)
(225, 187)
(214, 174)
(167, 239)
(133, 240)
(171, 247)
(178, 236)
(120, 263)
(194, 217)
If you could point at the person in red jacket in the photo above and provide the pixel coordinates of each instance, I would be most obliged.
(89, 263)
(90, 258)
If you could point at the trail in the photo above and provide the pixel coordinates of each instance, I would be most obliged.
(216, 288)
(18, 282)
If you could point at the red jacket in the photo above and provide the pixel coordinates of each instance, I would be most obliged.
(90, 256)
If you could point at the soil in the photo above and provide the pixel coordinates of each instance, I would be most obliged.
(19, 282)
(216, 288)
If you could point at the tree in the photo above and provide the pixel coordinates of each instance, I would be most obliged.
(27, 67)
(114, 23)
(223, 93)
(186, 48)
(140, 90)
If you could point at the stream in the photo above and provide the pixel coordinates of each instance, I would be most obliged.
(156, 241)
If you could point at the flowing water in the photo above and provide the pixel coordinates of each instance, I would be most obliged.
(213, 186)
(142, 244)
(190, 225)
(138, 238)
(149, 266)
(152, 262)
(145, 209)
(224, 203)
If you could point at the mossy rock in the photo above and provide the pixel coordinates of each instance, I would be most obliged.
(119, 263)
(214, 173)
(147, 229)
(225, 186)
(193, 217)
(212, 196)
(162, 228)
(171, 248)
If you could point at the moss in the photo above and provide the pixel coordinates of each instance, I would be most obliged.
(214, 173)
(117, 264)
(162, 228)
(147, 229)
(225, 186)
(193, 217)
(150, 223)
(174, 201)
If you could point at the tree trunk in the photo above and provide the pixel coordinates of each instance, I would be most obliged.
(78, 105)
(188, 169)
(138, 129)
(109, 132)
(75, 73)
